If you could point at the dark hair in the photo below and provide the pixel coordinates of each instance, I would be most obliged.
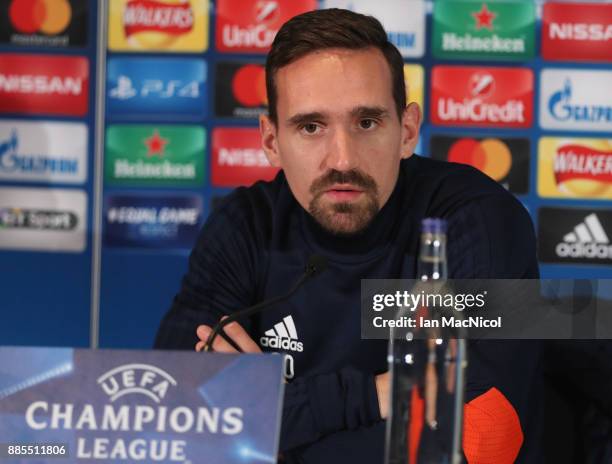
(332, 28)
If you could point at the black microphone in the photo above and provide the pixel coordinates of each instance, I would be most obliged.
(316, 264)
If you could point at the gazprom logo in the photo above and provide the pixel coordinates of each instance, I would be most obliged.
(562, 107)
(402, 39)
(144, 379)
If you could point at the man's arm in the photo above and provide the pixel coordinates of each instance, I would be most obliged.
(319, 405)
(493, 238)
(221, 279)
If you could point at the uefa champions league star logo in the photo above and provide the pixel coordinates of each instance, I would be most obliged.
(142, 379)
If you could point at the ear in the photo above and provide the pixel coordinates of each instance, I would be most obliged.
(411, 123)
(269, 140)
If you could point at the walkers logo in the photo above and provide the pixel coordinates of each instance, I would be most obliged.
(577, 31)
(414, 81)
(575, 168)
(156, 88)
(505, 160)
(249, 26)
(404, 23)
(283, 336)
(44, 23)
(43, 151)
(241, 90)
(478, 96)
(480, 30)
(575, 236)
(42, 219)
(238, 158)
(155, 156)
(576, 100)
(158, 25)
(44, 84)
(163, 221)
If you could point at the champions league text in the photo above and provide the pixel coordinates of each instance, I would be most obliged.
(41, 415)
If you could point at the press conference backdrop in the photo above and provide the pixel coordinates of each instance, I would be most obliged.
(123, 122)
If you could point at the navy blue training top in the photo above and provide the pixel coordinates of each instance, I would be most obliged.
(255, 246)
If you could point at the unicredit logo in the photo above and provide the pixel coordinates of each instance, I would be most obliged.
(266, 11)
(482, 85)
(157, 16)
(487, 96)
(257, 35)
(474, 109)
(254, 36)
(250, 25)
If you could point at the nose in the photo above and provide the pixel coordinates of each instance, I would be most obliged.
(341, 151)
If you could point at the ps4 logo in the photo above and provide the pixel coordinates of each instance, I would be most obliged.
(125, 89)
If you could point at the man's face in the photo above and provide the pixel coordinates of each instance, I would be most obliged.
(338, 138)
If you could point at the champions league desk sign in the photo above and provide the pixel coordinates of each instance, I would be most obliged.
(64, 405)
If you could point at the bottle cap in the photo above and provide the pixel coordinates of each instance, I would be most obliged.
(433, 226)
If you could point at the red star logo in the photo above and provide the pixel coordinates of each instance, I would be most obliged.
(484, 18)
(156, 144)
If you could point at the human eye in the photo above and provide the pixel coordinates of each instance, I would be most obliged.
(310, 128)
(368, 123)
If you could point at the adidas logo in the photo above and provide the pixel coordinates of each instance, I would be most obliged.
(588, 240)
(282, 336)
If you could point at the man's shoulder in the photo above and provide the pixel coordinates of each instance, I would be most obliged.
(248, 211)
(449, 175)
(444, 185)
(257, 200)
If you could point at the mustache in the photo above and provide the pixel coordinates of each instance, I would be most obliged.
(352, 177)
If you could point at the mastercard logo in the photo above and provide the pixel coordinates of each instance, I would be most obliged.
(48, 17)
(491, 156)
(249, 86)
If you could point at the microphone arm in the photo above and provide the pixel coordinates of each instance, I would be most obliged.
(316, 265)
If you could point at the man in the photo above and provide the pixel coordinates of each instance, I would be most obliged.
(351, 190)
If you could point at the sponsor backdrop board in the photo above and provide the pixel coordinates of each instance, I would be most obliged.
(47, 107)
(519, 90)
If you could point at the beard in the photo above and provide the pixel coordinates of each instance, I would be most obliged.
(344, 217)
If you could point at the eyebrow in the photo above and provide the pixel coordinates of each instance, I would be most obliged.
(305, 118)
(374, 112)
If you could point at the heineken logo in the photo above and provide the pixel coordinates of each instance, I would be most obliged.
(484, 18)
(156, 144)
(469, 29)
(155, 155)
